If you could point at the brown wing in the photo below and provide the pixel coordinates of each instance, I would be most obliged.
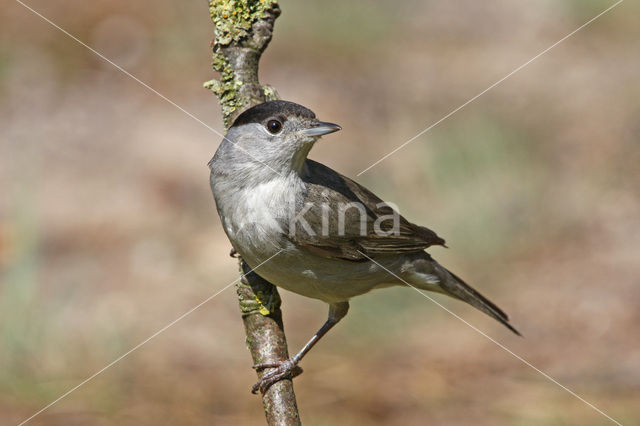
(368, 229)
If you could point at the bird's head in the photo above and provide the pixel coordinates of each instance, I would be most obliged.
(278, 134)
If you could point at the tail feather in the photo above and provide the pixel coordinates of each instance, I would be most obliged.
(463, 291)
(454, 286)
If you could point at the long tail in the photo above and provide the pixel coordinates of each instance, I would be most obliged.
(452, 285)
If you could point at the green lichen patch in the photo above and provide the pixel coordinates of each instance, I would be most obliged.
(270, 93)
(233, 18)
(226, 89)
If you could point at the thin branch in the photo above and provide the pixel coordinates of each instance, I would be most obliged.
(243, 29)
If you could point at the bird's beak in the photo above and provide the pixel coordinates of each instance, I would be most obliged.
(320, 128)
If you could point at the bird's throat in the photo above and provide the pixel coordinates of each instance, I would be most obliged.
(300, 156)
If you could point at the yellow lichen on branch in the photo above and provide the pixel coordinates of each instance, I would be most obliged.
(243, 30)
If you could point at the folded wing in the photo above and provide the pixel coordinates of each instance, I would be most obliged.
(347, 220)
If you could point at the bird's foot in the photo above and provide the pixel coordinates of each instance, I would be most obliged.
(287, 369)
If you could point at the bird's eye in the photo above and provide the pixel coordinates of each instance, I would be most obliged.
(274, 126)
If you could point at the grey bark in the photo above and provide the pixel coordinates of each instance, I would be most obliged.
(243, 29)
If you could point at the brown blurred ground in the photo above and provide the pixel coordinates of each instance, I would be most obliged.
(108, 230)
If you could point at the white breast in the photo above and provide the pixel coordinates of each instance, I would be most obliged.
(254, 216)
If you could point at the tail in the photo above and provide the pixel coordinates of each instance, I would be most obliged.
(452, 285)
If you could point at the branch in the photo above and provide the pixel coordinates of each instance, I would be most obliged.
(243, 29)
(267, 342)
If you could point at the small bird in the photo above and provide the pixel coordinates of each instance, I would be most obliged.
(319, 233)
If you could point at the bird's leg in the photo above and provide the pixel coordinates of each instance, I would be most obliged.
(289, 369)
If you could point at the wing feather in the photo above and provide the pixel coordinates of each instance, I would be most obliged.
(346, 240)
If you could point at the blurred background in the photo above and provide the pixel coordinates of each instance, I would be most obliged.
(108, 230)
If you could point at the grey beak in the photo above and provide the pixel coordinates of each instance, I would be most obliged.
(321, 128)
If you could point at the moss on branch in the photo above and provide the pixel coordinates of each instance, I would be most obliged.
(243, 29)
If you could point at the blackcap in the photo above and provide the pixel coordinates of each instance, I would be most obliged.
(331, 239)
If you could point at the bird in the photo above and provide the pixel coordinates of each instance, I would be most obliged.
(314, 231)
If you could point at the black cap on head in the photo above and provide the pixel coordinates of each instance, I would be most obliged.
(263, 111)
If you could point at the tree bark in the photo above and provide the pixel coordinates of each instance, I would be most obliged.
(243, 29)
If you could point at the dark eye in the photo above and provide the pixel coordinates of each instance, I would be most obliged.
(274, 126)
